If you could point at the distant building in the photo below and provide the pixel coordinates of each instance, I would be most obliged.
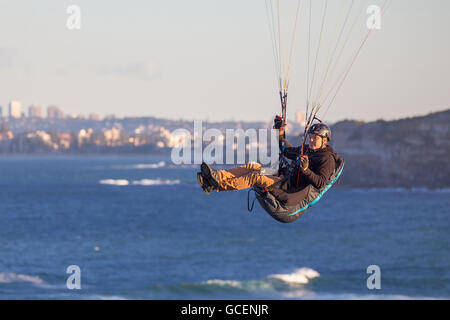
(15, 109)
(111, 136)
(84, 136)
(76, 116)
(64, 140)
(34, 111)
(94, 116)
(54, 112)
(1, 111)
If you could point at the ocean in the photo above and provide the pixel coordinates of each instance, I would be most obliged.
(139, 228)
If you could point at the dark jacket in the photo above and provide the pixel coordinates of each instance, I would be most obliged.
(322, 164)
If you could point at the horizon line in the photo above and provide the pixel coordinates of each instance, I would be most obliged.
(115, 117)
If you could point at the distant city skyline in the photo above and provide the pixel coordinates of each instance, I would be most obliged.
(206, 60)
(16, 111)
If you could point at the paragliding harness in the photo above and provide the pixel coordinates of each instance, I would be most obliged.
(287, 214)
(276, 208)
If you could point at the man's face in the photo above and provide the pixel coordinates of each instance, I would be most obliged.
(316, 141)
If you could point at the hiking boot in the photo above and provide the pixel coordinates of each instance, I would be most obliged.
(207, 188)
(210, 174)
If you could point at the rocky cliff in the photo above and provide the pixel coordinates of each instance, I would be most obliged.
(409, 153)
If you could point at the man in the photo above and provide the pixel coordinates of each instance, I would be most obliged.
(314, 168)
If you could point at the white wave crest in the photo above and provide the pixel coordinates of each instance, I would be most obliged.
(299, 276)
(115, 182)
(142, 182)
(157, 165)
(14, 277)
(225, 283)
(153, 182)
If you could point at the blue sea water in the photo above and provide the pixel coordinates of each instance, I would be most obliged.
(139, 228)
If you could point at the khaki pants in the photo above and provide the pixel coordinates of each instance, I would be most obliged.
(244, 177)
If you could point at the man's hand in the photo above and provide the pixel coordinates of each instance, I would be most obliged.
(278, 123)
(304, 162)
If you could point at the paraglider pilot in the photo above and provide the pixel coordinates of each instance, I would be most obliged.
(314, 167)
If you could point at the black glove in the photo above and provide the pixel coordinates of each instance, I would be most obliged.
(304, 163)
(277, 122)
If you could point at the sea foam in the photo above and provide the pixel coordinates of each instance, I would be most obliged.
(115, 182)
(142, 182)
(14, 278)
(153, 182)
(224, 283)
(299, 276)
(157, 165)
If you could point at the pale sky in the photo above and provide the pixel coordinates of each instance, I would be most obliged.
(209, 59)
